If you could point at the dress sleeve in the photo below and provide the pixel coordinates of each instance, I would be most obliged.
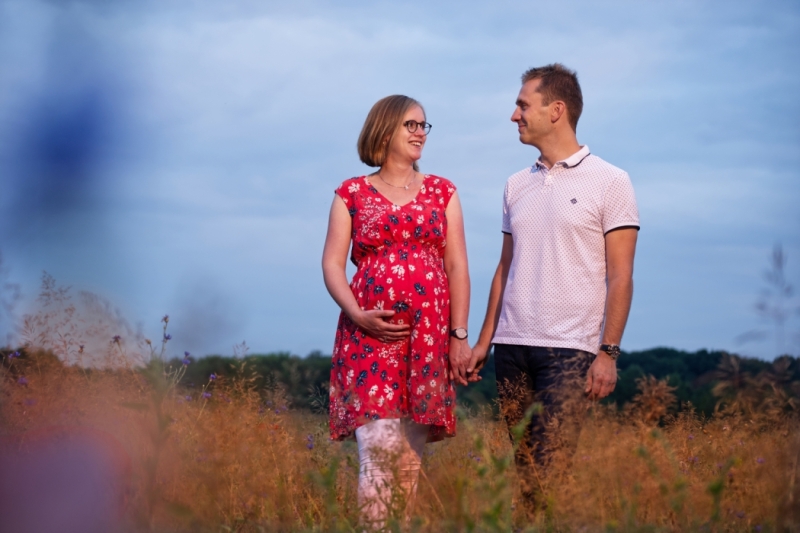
(620, 208)
(443, 189)
(346, 191)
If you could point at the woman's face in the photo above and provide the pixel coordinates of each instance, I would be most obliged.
(406, 146)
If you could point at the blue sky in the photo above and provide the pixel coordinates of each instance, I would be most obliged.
(181, 158)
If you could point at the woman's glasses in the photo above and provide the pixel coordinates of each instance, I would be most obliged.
(412, 125)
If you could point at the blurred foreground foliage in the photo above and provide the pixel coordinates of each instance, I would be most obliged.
(692, 377)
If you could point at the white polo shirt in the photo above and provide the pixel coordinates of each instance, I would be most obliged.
(556, 290)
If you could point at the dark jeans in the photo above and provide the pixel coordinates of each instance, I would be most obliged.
(555, 379)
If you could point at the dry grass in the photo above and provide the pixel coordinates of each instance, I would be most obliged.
(240, 461)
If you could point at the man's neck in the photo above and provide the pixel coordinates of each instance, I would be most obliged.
(557, 149)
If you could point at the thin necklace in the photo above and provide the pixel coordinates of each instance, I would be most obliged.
(398, 186)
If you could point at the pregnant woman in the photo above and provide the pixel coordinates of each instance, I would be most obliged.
(401, 341)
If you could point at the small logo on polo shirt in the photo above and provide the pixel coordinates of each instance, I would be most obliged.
(574, 201)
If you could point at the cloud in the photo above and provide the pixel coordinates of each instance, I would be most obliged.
(241, 118)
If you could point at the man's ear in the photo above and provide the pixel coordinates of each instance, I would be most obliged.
(558, 109)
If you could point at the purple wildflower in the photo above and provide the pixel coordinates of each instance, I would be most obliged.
(167, 337)
(165, 320)
(22, 380)
(694, 459)
(757, 528)
(13, 355)
(30, 401)
(310, 442)
(690, 437)
(740, 514)
(212, 377)
(186, 361)
(206, 395)
(760, 460)
(188, 397)
(116, 339)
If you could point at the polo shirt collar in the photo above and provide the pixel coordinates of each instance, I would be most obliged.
(572, 161)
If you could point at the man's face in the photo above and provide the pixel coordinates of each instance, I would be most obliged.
(531, 115)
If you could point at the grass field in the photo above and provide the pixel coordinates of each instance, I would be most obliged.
(228, 456)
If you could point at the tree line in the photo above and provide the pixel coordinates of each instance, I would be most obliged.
(702, 380)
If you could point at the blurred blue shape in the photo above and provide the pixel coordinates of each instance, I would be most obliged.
(67, 126)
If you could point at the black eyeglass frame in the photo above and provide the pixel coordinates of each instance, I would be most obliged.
(426, 126)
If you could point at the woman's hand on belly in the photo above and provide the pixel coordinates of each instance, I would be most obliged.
(374, 322)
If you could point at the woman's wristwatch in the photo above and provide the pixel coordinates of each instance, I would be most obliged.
(459, 333)
(612, 350)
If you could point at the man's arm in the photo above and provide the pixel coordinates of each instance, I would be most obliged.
(481, 348)
(620, 249)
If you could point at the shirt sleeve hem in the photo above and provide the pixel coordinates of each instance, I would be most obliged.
(622, 226)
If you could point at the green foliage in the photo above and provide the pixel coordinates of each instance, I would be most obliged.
(304, 380)
(691, 373)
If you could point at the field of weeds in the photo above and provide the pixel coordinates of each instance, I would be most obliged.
(98, 433)
(132, 450)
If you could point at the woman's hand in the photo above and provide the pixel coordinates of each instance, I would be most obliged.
(460, 360)
(375, 323)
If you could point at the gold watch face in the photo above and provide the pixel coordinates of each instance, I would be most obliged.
(460, 333)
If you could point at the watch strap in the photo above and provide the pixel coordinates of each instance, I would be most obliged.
(612, 350)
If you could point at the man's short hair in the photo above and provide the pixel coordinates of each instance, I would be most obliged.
(382, 121)
(558, 83)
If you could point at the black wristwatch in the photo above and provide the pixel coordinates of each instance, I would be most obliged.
(459, 333)
(612, 350)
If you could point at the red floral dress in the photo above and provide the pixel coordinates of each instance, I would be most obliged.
(399, 254)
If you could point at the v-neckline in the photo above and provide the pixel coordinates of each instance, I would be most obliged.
(412, 201)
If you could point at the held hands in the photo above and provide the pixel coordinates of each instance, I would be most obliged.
(601, 378)
(460, 360)
(480, 354)
(375, 323)
(465, 363)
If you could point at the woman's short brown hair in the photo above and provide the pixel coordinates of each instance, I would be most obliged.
(382, 121)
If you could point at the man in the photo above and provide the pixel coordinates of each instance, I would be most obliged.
(561, 294)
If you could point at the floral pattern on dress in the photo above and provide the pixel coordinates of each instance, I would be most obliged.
(398, 251)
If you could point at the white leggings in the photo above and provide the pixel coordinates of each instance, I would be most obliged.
(389, 454)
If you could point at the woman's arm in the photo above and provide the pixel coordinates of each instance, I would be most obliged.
(457, 270)
(334, 262)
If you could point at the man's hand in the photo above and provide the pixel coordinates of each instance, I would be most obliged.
(480, 354)
(460, 360)
(602, 377)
